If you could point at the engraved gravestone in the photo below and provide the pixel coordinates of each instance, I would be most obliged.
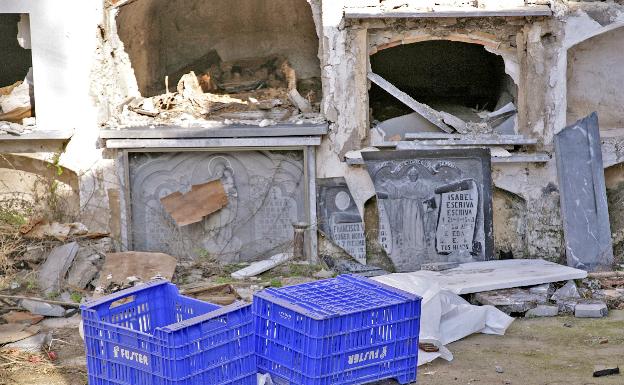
(266, 195)
(434, 206)
(339, 217)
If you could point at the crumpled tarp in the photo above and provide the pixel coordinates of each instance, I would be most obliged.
(445, 316)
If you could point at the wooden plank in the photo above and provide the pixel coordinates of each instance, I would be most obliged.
(192, 207)
(220, 131)
(378, 13)
(427, 112)
(214, 143)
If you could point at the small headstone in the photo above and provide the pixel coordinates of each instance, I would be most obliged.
(591, 310)
(339, 218)
(434, 206)
(583, 195)
(52, 273)
(42, 308)
(542, 311)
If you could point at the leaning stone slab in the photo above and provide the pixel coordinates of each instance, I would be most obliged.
(591, 310)
(583, 195)
(542, 311)
(52, 273)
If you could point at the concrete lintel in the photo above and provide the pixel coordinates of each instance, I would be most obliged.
(221, 131)
(213, 143)
(514, 158)
(377, 13)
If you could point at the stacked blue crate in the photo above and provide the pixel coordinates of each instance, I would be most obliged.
(152, 335)
(343, 331)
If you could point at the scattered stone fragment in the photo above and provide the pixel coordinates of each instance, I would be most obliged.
(543, 311)
(42, 308)
(499, 369)
(544, 289)
(567, 325)
(81, 273)
(510, 300)
(603, 370)
(22, 317)
(591, 310)
(569, 290)
(324, 274)
(32, 344)
(61, 323)
(439, 266)
(53, 271)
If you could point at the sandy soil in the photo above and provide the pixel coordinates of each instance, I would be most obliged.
(546, 351)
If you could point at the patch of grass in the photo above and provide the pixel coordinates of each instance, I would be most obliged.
(53, 295)
(275, 282)
(76, 297)
(223, 280)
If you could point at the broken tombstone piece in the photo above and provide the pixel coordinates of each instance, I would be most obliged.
(591, 310)
(545, 289)
(339, 218)
(260, 267)
(42, 308)
(584, 210)
(569, 290)
(192, 207)
(81, 273)
(32, 344)
(52, 272)
(510, 300)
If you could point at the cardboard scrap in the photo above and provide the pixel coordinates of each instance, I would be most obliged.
(192, 207)
(142, 265)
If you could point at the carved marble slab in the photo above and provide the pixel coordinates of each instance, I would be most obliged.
(339, 218)
(266, 195)
(434, 206)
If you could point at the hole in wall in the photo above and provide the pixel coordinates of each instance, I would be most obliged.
(16, 76)
(459, 78)
(510, 224)
(164, 38)
(614, 180)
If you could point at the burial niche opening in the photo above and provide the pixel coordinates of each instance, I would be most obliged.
(460, 78)
(233, 42)
(16, 77)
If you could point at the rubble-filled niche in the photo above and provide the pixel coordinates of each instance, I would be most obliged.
(510, 225)
(459, 78)
(596, 79)
(16, 76)
(614, 179)
(247, 55)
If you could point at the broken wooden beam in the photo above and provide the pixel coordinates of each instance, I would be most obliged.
(427, 112)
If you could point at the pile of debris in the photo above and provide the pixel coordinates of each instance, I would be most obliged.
(17, 107)
(261, 92)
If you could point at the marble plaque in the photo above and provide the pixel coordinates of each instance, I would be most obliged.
(266, 195)
(583, 197)
(339, 218)
(434, 206)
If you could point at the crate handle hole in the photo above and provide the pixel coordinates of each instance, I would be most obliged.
(122, 301)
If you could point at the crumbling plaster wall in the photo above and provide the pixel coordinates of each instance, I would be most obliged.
(535, 53)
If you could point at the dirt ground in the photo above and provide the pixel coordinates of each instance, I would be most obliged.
(545, 351)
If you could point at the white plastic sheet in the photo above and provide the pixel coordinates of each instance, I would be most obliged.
(445, 316)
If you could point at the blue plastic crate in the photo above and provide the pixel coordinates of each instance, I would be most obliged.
(342, 331)
(152, 335)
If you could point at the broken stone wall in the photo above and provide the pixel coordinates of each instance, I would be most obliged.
(163, 37)
(614, 178)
